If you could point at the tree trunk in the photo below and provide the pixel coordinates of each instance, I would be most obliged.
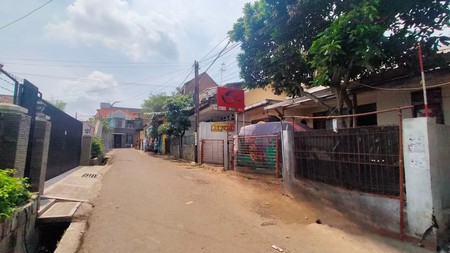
(181, 146)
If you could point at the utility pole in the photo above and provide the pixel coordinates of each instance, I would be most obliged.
(196, 106)
(222, 69)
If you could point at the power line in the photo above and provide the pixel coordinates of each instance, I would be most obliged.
(404, 89)
(3, 88)
(217, 57)
(97, 62)
(214, 48)
(93, 66)
(6, 81)
(86, 79)
(28, 14)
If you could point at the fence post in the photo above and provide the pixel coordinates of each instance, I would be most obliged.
(235, 151)
(14, 134)
(39, 152)
(288, 152)
(86, 146)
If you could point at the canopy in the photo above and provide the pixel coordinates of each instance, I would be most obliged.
(271, 128)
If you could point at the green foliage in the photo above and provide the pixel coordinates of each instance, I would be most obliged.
(154, 127)
(154, 103)
(179, 108)
(58, 104)
(106, 128)
(97, 147)
(290, 44)
(164, 129)
(13, 192)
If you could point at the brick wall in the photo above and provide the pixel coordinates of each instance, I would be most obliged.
(14, 133)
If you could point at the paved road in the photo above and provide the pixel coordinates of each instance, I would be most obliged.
(149, 204)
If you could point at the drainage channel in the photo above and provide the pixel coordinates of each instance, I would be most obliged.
(49, 236)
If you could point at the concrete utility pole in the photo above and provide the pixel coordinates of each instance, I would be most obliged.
(222, 69)
(196, 106)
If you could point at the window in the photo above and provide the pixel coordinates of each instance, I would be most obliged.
(119, 123)
(320, 123)
(130, 124)
(369, 120)
(434, 97)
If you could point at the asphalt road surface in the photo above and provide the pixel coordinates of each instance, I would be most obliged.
(151, 204)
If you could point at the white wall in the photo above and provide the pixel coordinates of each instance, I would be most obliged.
(427, 174)
(419, 198)
(205, 133)
(446, 104)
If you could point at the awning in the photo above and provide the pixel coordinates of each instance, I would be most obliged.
(319, 92)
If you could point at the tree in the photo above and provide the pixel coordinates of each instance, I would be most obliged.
(374, 36)
(291, 44)
(154, 103)
(178, 108)
(61, 105)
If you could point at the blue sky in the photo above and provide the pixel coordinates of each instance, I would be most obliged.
(84, 52)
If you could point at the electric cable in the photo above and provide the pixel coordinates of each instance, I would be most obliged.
(404, 89)
(26, 15)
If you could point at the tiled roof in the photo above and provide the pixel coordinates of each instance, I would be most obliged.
(105, 112)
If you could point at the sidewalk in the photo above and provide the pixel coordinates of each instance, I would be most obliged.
(68, 198)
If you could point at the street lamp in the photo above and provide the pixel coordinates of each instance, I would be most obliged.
(110, 123)
(110, 113)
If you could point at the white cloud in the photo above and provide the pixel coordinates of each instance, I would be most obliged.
(92, 88)
(115, 25)
(86, 93)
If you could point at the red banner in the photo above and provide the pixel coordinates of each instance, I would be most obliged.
(229, 99)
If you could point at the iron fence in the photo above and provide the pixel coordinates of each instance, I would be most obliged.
(258, 152)
(364, 159)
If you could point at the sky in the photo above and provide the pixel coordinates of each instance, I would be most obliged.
(84, 52)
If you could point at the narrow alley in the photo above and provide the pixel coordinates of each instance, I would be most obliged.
(150, 204)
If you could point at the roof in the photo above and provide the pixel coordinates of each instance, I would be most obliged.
(205, 81)
(320, 92)
(261, 103)
(131, 113)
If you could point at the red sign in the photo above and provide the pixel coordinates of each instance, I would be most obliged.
(229, 99)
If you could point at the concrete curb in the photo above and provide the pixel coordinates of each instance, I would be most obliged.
(71, 240)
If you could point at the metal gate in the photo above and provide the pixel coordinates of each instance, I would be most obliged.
(212, 152)
(363, 159)
(65, 136)
(259, 153)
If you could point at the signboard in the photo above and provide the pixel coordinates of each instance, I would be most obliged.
(229, 99)
(222, 126)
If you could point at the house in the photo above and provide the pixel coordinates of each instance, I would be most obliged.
(204, 82)
(387, 168)
(387, 90)
(126, 124)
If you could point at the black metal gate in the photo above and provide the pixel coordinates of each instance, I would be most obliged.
(363, 159)
(65, 136)
(65, 142)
